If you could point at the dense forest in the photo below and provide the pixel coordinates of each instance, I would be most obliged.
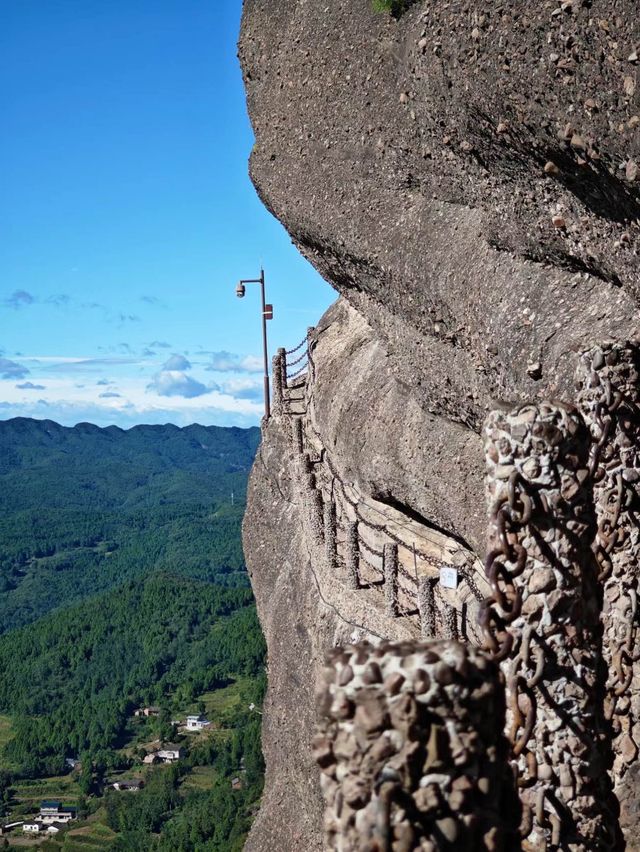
(122, 585)
(82, 509)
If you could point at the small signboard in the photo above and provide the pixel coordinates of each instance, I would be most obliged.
(449, 577)
(268, 312)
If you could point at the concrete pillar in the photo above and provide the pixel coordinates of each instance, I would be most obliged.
(277, 381)
(608, 380)
(283, 371)
(310, 368)
(427, 608)
(298, 434)
(450, 622)
(412, 752)
(330, 535)
(353, 556)
(543, 623)
(390, 567)
(315, 510)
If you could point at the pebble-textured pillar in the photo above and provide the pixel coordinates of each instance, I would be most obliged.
(544, 624)
(311, 498)
(427, 608)
(353, 556)
(330, 534)
(411, 750)
(283, 371)
(390, 565)
(298, 434)
(278, 395)
(609, 397)
(450, 622)
(315, 509)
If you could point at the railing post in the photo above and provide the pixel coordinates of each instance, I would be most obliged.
(311, 498)
(298, 434)
(543, 622)
(353, 556)
(390, 567)
(278, 395)
(608, 379)
(315, 510)
(310, 330)
(283, 371)
(330, 534)
(427, 608)
(411, 749)
(451, 622)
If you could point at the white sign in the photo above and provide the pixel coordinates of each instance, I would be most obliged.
(449, 577)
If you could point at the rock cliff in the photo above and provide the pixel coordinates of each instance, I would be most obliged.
(467, 176)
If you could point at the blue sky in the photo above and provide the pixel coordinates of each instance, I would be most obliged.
(127, 216)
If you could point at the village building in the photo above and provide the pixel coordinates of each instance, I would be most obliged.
(33, 827)
(9, 826)
(197, 723)
(52, 811)
(169, 753)
(150, 758)
(147, 711)
(133, 785)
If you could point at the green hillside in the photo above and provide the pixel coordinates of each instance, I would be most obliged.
(122, 585)
(82, 509)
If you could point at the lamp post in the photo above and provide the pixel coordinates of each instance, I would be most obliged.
(267, 314)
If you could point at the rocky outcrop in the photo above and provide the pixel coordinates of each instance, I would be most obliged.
(466, 177)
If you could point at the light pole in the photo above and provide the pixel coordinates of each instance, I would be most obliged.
(267, 314)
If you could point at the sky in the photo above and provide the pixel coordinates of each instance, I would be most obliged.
(127, 217)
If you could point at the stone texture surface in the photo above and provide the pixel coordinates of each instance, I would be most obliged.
(411, 750)
(433, 213)
(608, 379)
(543, 624)
(465, 176)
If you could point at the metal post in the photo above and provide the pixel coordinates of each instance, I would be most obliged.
(267, 403)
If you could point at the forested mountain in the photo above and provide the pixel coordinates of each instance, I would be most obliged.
(87, 467)
(122, 585)
(82, 509)
(72, 679)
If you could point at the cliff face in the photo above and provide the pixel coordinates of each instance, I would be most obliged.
(467, 179)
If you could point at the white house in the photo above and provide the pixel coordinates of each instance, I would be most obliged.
(53, 811)
(134, 785)
(170, 753)
(32, 827)
(197, 723)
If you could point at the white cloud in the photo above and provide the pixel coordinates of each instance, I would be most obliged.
(12, 370)
(19, 299)
(30, 386)
(229, 362)
(177, 362)
(177, 383)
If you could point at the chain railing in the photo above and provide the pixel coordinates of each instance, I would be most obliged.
(564, 533)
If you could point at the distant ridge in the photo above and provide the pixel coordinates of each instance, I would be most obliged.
(84, 508)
